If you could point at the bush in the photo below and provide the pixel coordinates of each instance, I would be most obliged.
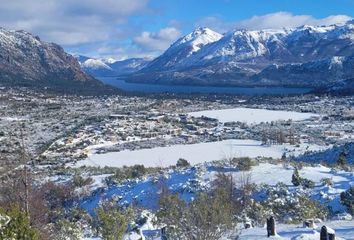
(209, 216)
(125, 173)
(79, 181)
(291, 206)
(283, 156)
(138, 171)
(112, 222)
(67, 230)
(243, 164)
(257, 212)
(307, 183)
(295, 178)
(342, 159)
(327, 181)
(183, 163)
(298, 165)
(347, 199)
(309, 208)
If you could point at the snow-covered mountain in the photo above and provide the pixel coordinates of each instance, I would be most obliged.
(95, 67)
(109, 66)
(183, 49)
(330, 71)
(130, 65)
(245, 57)
(26, 60)
(301, 44)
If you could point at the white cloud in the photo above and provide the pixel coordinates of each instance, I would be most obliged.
(157, 41)
(272, 20)
(215, 23)
(71, 22)
(123, 52)
(333, 19)
(91, 27)
(286, 19)
(114, 27)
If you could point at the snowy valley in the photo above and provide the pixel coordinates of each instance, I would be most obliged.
(135, 151)
(176, 120)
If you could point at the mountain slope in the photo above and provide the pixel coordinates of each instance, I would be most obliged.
(301, 44)
(179, 52)
(284, 57)
(130, 65)
(315, 73)
(25, 60)
(345, 87)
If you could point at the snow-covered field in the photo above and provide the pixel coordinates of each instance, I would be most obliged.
(194, 153)
(271, 174)
(344, 230)
(252, 115)
(145, 193)
(264, 173)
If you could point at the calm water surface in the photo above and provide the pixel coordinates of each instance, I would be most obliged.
(158, 88)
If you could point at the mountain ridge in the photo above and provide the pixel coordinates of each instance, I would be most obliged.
(245, 58)
(110, 67)
(25, 60)
(183, 48)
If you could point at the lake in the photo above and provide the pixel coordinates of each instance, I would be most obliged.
(159, 88)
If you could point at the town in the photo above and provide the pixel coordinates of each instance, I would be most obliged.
(65, 129)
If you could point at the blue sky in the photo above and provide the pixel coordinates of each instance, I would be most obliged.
(236, 10)
(145, 28)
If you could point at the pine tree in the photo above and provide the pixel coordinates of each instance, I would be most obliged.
(18, 226)
(283, 157)
(112, 222)
(342, 159)
(347, 199)
(296, 179)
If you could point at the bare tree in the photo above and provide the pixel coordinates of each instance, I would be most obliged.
(17, 182)
(246, 189)
(24, 156)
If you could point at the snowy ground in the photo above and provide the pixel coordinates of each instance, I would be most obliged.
(251, 115)
(344, 230)
(265, 173)
(144, 193)
(271, 174)
(194, 153)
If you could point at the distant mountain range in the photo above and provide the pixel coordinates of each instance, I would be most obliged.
(307, 56)
(25, 60)
(320, 57)
(110, 67)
